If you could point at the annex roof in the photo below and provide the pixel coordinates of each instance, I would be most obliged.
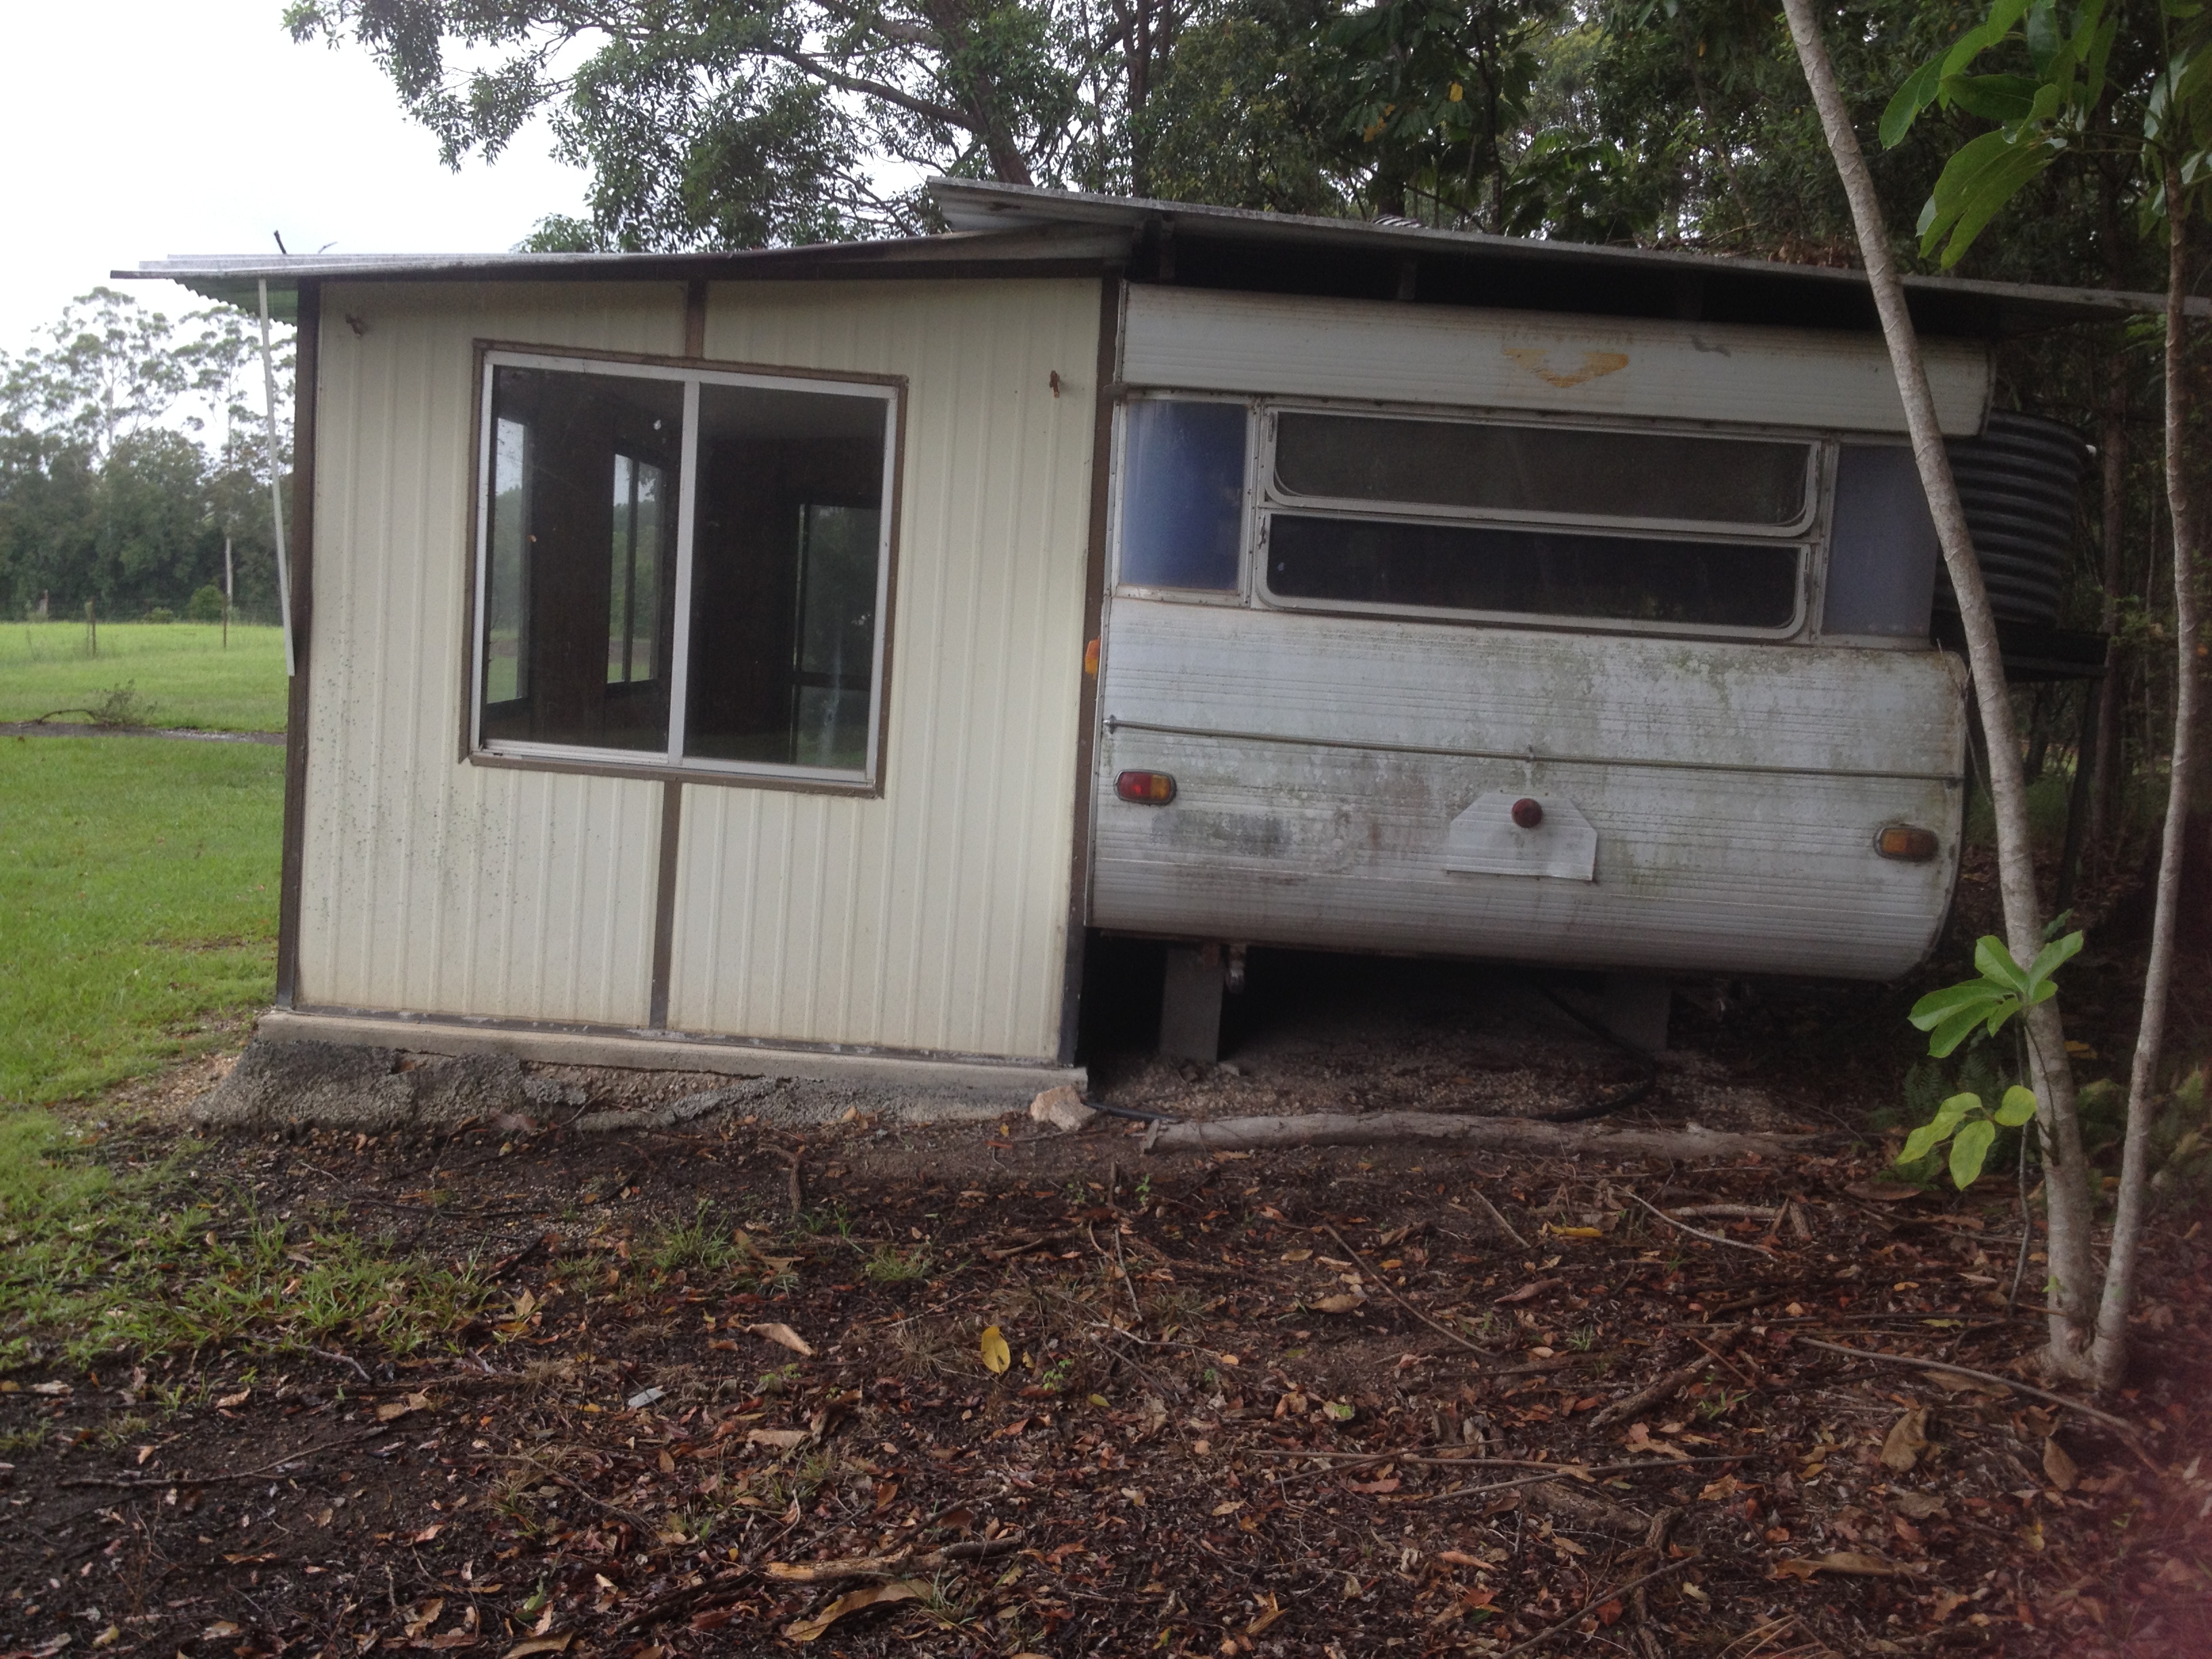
(1014, 230)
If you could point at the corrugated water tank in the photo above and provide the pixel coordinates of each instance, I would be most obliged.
(2019, 483)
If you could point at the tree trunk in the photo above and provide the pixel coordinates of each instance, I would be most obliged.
(2066, 1183)
(2110, 1354)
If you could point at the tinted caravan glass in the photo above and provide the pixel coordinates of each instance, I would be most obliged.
(1542, 572)
(1183, 494)
(1658, 476)
(574, 634)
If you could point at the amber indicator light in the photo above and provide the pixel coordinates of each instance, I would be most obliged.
(1907, 841)
(1146, 788)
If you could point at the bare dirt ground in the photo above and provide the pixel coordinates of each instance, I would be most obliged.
(1309, 1402)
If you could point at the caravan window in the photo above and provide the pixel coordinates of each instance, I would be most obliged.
(1635, 528)
(682, 567)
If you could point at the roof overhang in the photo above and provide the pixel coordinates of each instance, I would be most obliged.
(1011, 230)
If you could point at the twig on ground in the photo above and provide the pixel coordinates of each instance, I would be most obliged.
(1699, 1232)
(679, 1600)
(1587, 1608)
(1498, 1216)
(1128, 1283)
(1443, 1329)
(638, 1522)
(1666, 1388)
(896, 1565)
(342, 1359)
(2119, 1424)
(152, 1482)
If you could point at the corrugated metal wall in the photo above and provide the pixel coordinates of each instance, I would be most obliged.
(428, 885)
(936, 917)
(932, 918)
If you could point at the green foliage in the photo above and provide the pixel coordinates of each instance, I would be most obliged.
(137, 904)
(94, 1262)
(889, 1265)
(2002, 989)
(160, 613)
(1970, 1127)
(186, 670)
(2056, 106)
(130, 447)
(205, 604)
(705, 1244)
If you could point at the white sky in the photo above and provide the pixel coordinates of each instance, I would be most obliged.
(134, 129)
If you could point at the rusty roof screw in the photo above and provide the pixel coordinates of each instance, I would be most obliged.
(1527, 813)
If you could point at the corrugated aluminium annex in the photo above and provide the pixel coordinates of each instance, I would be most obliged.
(931, 918)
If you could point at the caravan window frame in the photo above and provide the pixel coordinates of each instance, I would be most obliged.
(1802, 534)
(670, 762)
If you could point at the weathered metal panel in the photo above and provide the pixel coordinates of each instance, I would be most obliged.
(1197, 339)
(430, 884)
(1320, 763)
(935, 916)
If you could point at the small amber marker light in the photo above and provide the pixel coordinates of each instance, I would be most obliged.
(1527, 813)
(1146, 788)
(1090, 659)
(1907, 841)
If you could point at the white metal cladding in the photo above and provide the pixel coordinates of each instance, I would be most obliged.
(430, 885)
(1195, 339)
(1320, 762)
(934, 917)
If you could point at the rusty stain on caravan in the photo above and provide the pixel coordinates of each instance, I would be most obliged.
(1594, 366)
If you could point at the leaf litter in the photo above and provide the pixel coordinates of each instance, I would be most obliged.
(1095, 1417)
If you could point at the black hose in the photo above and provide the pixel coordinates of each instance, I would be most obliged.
(1628, 1097)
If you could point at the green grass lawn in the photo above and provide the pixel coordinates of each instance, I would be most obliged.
(181, 671)
(138, 901)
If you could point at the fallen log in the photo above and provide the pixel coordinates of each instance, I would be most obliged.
(1512, 1134)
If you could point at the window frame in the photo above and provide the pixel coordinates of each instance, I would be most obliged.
(670, 763)
(1247, 512)
(1804, 536)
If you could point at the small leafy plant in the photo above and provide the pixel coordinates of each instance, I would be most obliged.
(1955, 1014)
(1970, 1127)
(2002, 989)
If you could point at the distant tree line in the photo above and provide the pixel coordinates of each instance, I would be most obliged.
(130, 447)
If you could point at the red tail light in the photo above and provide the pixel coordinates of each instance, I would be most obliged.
(1146, 788)
(1907, 841)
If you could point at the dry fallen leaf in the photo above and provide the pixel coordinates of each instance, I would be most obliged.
(219, 1629)
(1918, 1505)
(230, 1400)
(1908, 1438)
(782, 1440)
(997, 1356)
(425, 1616)
(1343, 1302)
(392, 1409)
(1882, 1192)
(2059, 1467)
(1391, 1485)
(1269, 1613)
(808, 1630)
(783, 1336)
(539, 1644)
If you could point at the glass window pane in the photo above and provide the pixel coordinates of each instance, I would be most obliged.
(1541, 572)
(1183, 494)
(1882, 550)
(1540, 469)
(505, 601)
(581, 552)
(787, 549)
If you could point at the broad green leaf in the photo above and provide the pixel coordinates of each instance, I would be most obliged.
(1957, 1107)
(1938, 1006)
(1921, 1142)
(1998, 185)
(1960, 1026)
(2017, 1107)
(1919, 90)
(2043, 34)
(1969, 1149)
(1990, 956)
(1994, 28)
(1994, 97)
(2048, 960)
